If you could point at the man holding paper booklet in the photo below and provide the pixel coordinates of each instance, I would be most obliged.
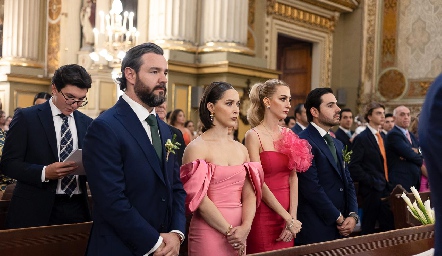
(40, 138)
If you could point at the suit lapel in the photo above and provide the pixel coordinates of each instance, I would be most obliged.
(130, 121)
(45, 115)
(322, 145)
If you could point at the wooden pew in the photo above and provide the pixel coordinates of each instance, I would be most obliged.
(400, 242)
(66, 240)
(402, 217)
(4, 205)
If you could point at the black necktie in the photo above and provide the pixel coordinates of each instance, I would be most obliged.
(156, 141)
(69, 182)
(331, 146)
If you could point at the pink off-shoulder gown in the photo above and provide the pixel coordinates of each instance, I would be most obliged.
(223, 186)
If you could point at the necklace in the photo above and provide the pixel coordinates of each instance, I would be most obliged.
(271, 133)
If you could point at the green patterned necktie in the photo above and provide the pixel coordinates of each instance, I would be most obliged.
(156, 141)
(331, 146)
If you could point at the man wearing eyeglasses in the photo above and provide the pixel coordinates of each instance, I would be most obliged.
(40, 138)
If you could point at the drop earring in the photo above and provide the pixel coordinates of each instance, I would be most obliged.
(211, 116)
(268, 107)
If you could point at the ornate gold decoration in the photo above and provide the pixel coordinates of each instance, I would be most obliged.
(418, 88)
(251, 24)
(225, 47)
(304, 18)
(335, 5)
(391, 84)
(389, 34)
(54, 12)
(13, 61)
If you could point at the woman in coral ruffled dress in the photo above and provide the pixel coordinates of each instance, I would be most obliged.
(223, 187)
(281, 154)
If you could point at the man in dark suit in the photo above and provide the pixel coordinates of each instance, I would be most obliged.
(327, 200)
(430, 134)
(343, 133)
(404, 159)
(135, 183)
(39, 139)
(301, 119)
(368, 166)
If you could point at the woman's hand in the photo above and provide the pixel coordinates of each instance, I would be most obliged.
(285, 236)
(294, 226)
(237, 237)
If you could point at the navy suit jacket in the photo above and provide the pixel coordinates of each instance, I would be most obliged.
(30, 145)
(403, 163)
(367, 164)
(297, 129)
(136, 195)
(325, 190)
(430, 135)
(343, 137)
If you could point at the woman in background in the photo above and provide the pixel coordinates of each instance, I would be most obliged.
(223, 187)
(177, 120)
(191, 127)
(281, 154)
(41, 98)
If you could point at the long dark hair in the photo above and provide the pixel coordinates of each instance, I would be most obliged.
(212, 93)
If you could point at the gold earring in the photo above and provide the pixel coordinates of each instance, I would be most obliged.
(268, 107)
(211, 116)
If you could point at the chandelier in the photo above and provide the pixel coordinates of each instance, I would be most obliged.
(115, 35)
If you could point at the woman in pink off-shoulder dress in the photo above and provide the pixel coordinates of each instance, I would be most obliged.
(281, 154)
(223, 187)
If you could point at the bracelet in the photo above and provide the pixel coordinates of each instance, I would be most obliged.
(228, 230)
(290, 225)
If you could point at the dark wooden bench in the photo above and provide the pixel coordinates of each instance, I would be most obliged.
(66, 240)
(400, 242)
(402, 217)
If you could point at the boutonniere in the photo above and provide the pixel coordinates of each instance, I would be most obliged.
(346, 154)
(171, 146)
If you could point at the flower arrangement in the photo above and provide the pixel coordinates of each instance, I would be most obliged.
(346, 154)
(421, 211)
(171, 146)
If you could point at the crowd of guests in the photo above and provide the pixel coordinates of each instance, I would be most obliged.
(290, 183)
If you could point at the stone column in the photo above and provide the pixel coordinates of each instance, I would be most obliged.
(172, 23)
(224, 26)
(21, 32)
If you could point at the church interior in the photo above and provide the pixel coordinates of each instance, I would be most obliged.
(387, 51)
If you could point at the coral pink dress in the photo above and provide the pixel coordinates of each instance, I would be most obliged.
(223, 185)
(291, 153)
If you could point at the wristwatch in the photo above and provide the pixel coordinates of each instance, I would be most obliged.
(355, 216)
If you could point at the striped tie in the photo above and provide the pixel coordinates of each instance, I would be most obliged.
(69, 182)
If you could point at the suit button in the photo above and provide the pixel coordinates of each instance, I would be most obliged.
(163, 199)
(341, 189)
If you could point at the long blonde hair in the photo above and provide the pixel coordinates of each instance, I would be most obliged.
(259, 91)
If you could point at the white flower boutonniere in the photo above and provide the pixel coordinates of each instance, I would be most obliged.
(171, 146)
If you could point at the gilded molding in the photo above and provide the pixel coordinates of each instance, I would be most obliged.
(335, 5)
(54, 12)
(300, 17)
(418, 88)
(389, 33)
(12, 61)
(251, 24)
(27, 79)
(222, 67)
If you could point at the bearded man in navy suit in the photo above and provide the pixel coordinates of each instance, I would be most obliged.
(327, 200)
(138, 196)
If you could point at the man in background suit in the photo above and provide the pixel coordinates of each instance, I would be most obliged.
(343, 133)
(404, 159)
(301, 119)
(388, 124)
(430, 134)
(135, 184)
(368, 166)
(327, 200)
(35, 147)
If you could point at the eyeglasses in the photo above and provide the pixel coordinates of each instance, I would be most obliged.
(71, 101)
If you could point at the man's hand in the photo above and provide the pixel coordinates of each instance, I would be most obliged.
(170, 246)
(347, 226)
(58, 170)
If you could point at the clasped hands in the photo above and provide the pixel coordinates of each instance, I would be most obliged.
(345, 226)
(236, 236)
(170, 245)
(292, 227)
